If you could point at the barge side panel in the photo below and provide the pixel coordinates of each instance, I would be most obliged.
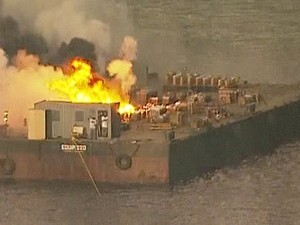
(227, 145)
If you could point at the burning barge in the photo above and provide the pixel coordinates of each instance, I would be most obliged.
(197, 124)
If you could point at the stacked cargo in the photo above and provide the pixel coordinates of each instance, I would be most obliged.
(141, 97)
(184, 80)
(206, 80)
(191, 80)
(228, 95)
(197, 80)
(176, 79)
(214, 81)
(169, 78)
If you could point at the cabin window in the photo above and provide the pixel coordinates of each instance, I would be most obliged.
(55, 115)
(79, 116)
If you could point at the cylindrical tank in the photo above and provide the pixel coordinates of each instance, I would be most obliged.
(169, 78)
(214, 81)
(221, 82)
(176, 79)
(199, 80)
(184, 80)
(207, 80)
(141, 96)
(191, 80)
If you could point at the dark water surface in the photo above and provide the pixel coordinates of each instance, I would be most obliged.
(256, 39)
(263, 191)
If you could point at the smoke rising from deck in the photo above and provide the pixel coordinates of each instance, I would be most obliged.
(128, 49)
(22, 84)
(12, 38)
(76, 47)
(102, 24)
(72, 22)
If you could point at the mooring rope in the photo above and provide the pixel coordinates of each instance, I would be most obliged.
(87, 168)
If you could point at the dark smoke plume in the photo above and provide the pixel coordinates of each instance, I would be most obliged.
(94, 29)
(34, 44)
(11, 39)
(77, 47)
(9, 35)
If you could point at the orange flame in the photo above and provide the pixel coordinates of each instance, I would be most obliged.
(81, 84)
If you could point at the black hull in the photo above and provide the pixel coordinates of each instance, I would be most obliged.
(229, 144)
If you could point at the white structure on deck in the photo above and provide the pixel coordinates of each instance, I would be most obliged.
(58, 119)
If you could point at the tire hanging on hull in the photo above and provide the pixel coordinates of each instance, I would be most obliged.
(123, 161)
(7, 166)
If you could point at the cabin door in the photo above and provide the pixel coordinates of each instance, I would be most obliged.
(102, 124)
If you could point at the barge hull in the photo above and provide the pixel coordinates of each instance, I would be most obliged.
(180, 159)
(227, 145)
(43, 160)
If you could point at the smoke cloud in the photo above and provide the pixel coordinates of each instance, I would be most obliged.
(122, 69)
(12, 39)
(9, 35)
(76, 47)
(59, 26)
(75, 25)
(128, 49)
(22, 84)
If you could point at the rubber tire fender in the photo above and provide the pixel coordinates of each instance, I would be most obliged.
(8, 166)
(123, 161)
